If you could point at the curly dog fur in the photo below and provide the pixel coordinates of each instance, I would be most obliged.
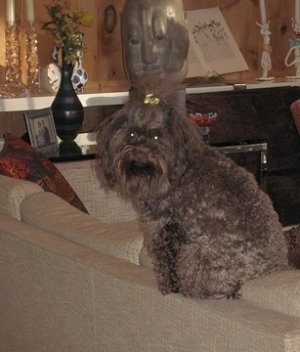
(209, 227)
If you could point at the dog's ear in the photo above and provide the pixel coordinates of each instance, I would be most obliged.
(107, 131)
(185, 138)
(103, 166)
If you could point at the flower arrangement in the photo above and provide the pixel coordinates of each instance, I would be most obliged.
(65, 26)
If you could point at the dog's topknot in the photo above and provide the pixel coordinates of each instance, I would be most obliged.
(155, 90)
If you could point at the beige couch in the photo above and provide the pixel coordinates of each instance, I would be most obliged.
(76, 282)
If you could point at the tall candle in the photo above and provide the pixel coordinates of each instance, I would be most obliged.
(10, 12)
(297, 11)
(262, 11)
(29, 11)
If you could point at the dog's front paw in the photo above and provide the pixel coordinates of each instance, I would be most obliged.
(166, 289)
(167, 280)
(167, 286)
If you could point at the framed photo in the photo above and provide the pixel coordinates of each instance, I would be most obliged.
(41, 130)
(212, 45)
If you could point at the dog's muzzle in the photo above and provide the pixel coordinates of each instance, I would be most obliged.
(134, 163)
(137, 169)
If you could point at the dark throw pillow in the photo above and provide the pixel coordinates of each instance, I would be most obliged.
(19, 160)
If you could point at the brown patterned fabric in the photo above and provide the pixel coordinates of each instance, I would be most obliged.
(19, 160)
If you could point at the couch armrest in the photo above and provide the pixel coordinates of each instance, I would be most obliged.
(49, 212)
(13, 192)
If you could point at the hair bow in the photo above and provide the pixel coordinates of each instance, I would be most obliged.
(151, 99)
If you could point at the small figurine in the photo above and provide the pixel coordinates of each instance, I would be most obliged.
(266, 62)
(294, 45)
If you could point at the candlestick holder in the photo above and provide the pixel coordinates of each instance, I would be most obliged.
(12, 60)
(3, 93)
(294, 51)
(32, 60)
(266, 62)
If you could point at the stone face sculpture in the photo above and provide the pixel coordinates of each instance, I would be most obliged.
(155, 38)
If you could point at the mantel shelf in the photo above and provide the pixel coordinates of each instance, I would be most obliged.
(119, 98)
(41, 102)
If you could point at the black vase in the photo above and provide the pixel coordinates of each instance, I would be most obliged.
(67, 109)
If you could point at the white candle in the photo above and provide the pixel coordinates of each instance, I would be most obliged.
(297, 11)
(10, 12)
(29, 11)
(262, 11)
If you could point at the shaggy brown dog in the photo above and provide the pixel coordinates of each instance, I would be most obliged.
(209, 227)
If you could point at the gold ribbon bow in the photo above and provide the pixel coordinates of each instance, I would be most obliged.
(151, 99)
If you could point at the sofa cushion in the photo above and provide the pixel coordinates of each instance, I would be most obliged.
(48, 212)
(278, 291)
(12, 194)
(144, 259)
(104, 205)
(56, 293)
(21, 161)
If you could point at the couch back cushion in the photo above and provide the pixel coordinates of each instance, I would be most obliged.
(278, 291)
(49, 212)
(13, 192)
(106, 206)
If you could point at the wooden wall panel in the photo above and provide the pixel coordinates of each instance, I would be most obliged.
(241, 17)
(103, 58)
(111, 72)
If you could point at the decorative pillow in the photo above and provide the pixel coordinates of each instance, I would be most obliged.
(19, 160)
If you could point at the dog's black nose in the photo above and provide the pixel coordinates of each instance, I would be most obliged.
(139, 169)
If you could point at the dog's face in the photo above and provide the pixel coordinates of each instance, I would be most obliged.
(142, 149)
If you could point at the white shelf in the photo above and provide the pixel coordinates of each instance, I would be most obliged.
(42, 102)
(119, 98)
(250, 85)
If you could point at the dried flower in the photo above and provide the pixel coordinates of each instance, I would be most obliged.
(65, 27)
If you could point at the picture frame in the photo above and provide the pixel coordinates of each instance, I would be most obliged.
(213, 48)
(41, 130)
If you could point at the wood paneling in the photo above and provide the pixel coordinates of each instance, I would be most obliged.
(103, 58)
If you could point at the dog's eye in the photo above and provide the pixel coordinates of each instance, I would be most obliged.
(133, 134)
(155, 135)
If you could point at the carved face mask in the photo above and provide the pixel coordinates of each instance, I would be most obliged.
(155, 38)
